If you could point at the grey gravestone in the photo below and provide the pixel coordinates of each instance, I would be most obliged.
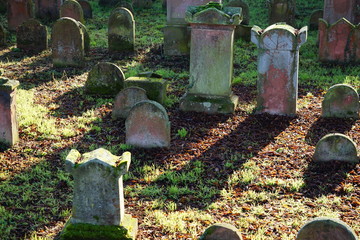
(314, 19)
(335, 147)
(31, 36)
(341, 101)
(221, 231)
(282, 11)
(72, 9)
(126, 99)
(326, 229)
(2, 36)
(86, 7)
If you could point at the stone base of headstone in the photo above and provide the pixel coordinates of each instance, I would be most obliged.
(208, 103)
(243, 32)
(176, 40)
(125, 231)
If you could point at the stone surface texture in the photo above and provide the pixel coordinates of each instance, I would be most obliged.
(31, 36)
(86, 7)
(48, 9)
(126, 99)
(221, 231)
(335, 10)
(72, 9)
(243, 30)
(278, 64)
(19, 11)
(282, 11)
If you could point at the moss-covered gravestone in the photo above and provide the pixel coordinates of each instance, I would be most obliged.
(341, 101)
(282, 11)
(2, 36)
(98, 210)
(72, 9)
(243, 30)
(31, 36)
(18, 12)
(86, 7)
(221, 231)
(126, 99)
(336, 147)
(105, 79)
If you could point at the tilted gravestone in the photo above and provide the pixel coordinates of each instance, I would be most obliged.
(31, 36)
(2, 36)
(98, 210)
(86, 7)
(105, 78)
(212, 33)
(282, 11)
(335, 147)
(243, 30)
(278, 66)
(72, 9)
(341, 101)
(221, 231)
(147, 125)
(18, 12)
(126, 99)
(121, 31)
(48, 9)
(326, 229)
(314, 19)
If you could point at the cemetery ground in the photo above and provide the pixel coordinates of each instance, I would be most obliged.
(253, 171)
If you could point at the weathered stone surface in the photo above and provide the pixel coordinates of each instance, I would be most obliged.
(105, 78)
(341, 101)
(335, 147)
(18, 12)
(244, 9)
(142, 3)
(221, 231)
(121, 31)
(126, 99)
(226, 16)
(148, 126)
(86, 7)
(314, 19)
(326, 229)
(48, 9)
(31, 36)
(278, 64)
(282, 11)
(2, 36)
(72, 9)
(334, 10)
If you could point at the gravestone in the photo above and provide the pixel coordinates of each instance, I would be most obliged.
(142, 3)
(334, 10)
(278, 66)
(221, 231)
(147, 125)
(243, 30)
(18, 12)
(211, 60)
(314, 19)
(67, 43)
(326, 229)
(282, 11)
(341, 101)
(2, 36)
(105, 79)
(126, 5)
(335, 147)
(126, 99)
(31, 36)
(121, 31)
(86, 7)
(72, 9)
(9, 134)
(98, 210)
(48, 9)
(86, 38)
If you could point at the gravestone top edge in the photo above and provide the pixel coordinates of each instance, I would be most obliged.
(226, 16)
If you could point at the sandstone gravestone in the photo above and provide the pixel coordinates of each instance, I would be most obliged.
(335, 147)
(126, 99)
(282, 11)
(67, 43)
(278, 66)
(221, 231)
(31, 36)
(9, 133)
(243, 30)
(86, 7)
(147, 125)
(211, 60)
(18, 12)
(341, 101)
(326, 229)
(121, 31)
(105, 79)
(2, 36)
(335, 10)
(142, 3)
(72, 9)
(48, 9)
(98, 210)
(314, 19)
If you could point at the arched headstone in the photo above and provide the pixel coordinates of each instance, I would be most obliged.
(314, 19)
(221, 231)
(126, 99)
(48, 9)
(31, 36)
(282, 11)
(86, 7)
(18, 12)
(72, 9)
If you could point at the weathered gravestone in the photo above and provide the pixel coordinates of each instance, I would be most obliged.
(9, 133)
(105, 78)
(243, 30)
(2, 36)
(67, 43)
(126, 99)
(48, 9)
(326, 229)
(86, 38)
(86, 7)
(314, 19)
(335, 10)
(147, 125)
(278, 64)
(211, 60)
(121, 31)
(98, 210)
(18, 12)
(221, 231)
(341, 101)
(72, 9)
(282, 11)
(142, 3)
(335, 147)
(31, 36)
(126, 5)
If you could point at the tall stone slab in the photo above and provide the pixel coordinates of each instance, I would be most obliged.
(221, 231)
(72, 9)
(18, 12)
(335, 10)
(86, 7)
(121, 31)
(48, 9)
(31, 36)
(282, 11)
(98, 210)
(278, 66)
(211, 60)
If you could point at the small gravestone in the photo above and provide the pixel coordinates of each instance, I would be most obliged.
(147, 125)
(98, 210)
(314, 19)
(48, 10)
(105, 78)
(326, 229)
(72, 9)
(126, 5)
(142, 3)
(341, 101)
(18, 12)
(67, 43)
(86, 38)
(243, 30)
(282, 11)
(86, 7)
(335, 147)
(31, 36)
(126, 99)
(2, 36)
(221, 231)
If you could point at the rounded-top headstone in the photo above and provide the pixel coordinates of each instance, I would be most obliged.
(314, 19)
(86, 7)
(221, 231)
(126, 5)
(86, 38)
(341, 101)
(126, 99)
(31, 36)
(326, 229)
(72, 9)
(335, 147)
